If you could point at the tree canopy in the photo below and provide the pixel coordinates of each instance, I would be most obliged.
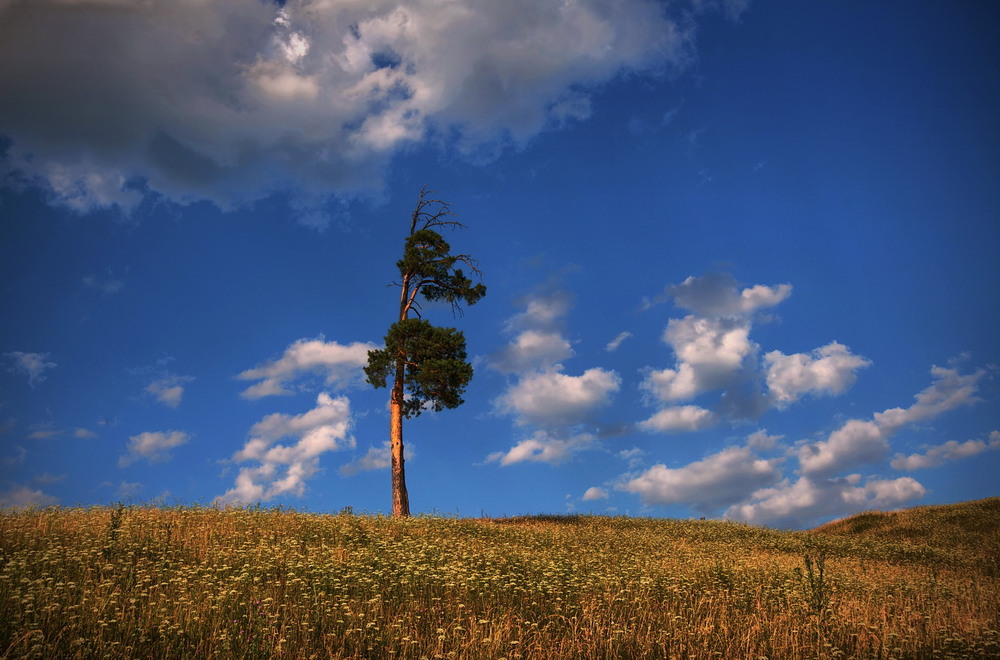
(427, 363)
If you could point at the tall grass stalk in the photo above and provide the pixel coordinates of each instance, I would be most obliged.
(148, 582)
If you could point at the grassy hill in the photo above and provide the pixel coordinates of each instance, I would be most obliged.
(256, 583)
(967, 529)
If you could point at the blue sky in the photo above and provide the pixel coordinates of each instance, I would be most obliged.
(740, 258)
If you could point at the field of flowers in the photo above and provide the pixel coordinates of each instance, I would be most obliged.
(145, 582)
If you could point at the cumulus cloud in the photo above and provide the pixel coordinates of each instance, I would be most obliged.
(284, 468)
(231, 100)
(153, 447)
(542, 394)
(678, 418)
(337, 363)
(712, 347)
(557, 399)
(169, 390)
(830, 369)
(595, 493)
(21, 496)
(538, 341)
(720, 479)
(532, 349)
(711, 353)
(859, 442)
(32, 365)
(718, 295)
(544, 447)
(800, 503)
(941, 454)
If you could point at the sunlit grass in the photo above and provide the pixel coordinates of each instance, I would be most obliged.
(143, 582)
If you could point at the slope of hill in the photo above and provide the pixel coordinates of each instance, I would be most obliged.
(970, 529)
(134, 581)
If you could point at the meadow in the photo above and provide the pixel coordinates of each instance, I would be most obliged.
(201, 582)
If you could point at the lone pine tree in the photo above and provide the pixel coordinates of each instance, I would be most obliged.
(427, 363)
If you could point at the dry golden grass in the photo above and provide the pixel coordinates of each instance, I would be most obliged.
(142, 582)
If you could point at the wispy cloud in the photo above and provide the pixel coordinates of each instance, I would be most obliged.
(949, 451)
(552, 447)
(107, 286)
(376, 458)
(169, 390)
(615, 343)
(153, 447)
(338, 365)
(32, 365)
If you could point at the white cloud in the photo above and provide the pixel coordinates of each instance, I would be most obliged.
(809, 498)
(17, 458)
(543, 311)
(634, 457)
(830, 369)
(859, 442)
(949, 451)
(617, 341)
(717, 480)
(762, 441)
(532, 349)
(339, 364)
(284, 468)
(717, 295)
(544, 447)
(21, 496)
(231, 100)
(856, 442)
(32, 365)
(679, 418)
(376, 458)
(712, 347)
(554, 399)
(595, 493)
(949, 391)
(538, 342)
(44, 431)
(107, 286)
(84, 434)
(711, 354)
(168, 390)
(542, 394)
(152, 446)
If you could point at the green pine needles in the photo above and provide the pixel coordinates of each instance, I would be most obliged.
(427, 364)
(435, 370)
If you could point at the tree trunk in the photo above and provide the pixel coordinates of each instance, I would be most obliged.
(400, 498)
